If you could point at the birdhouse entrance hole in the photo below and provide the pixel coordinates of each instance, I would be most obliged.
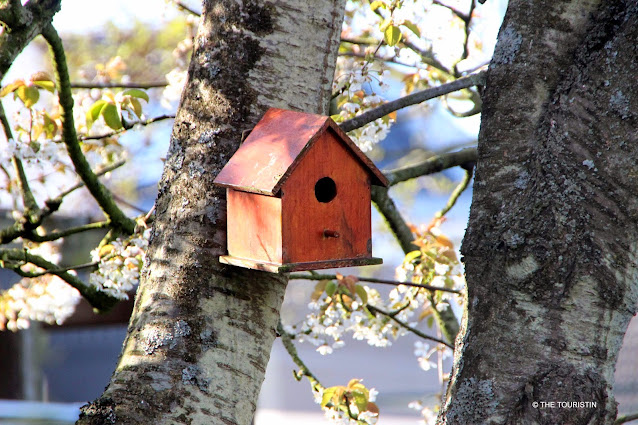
(325, 190)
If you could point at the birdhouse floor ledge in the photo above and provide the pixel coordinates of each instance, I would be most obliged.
(295, 267)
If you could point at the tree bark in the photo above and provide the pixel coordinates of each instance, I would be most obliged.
(551, 248)
(201, 332)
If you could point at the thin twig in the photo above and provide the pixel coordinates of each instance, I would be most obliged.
(412, 99)
(30, 205)
(128, 126)
(58, 270)
(317, 276)
(626, 418)
(286, 339)
(379, 58)
(158, 84)
(52, 236)
(15, 258)
(82, 167)
(183, 7)
(408, 327)
(99, 172)
(469, 172)
(126, 203)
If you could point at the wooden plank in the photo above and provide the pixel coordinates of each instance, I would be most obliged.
(293, 267)
(254, 226)
(308, 223)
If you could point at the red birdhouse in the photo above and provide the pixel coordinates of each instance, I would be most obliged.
(298, 196)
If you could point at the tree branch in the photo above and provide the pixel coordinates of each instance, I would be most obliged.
(432, 165)
(23, 228)
(158, 84)
(317, 276)
(469, 172)
(14, 258)
(30, 205)
(25, 23)
(388, 209)
(68, 232)
(446, 319)
(183, 7)
(625, 418)
(127, 126)
(286, 339)
(408, 327)
(82, 167)
(412, 99)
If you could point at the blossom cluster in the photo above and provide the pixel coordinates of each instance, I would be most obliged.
(333, 316)
(45, 298)
(351, 405)
(119, 264)
(357, 83)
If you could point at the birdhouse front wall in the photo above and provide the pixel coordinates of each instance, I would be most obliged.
(254, 226)
(326, 205)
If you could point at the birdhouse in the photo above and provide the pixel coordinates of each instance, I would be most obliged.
(298, 196)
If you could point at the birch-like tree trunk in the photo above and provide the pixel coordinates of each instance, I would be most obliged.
(200, 335)
(552, 245)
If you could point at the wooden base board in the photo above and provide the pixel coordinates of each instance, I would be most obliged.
(295, 267)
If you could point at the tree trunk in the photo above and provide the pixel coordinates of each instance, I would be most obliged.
(552, 244)
(201, 332)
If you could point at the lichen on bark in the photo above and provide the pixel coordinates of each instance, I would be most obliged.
(200, 335)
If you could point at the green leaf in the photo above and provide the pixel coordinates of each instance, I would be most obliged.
(386, 23)
(412, 27)
(94, 112)
(331, 288)
(377, 4)
(111, 116)
(140, 94)
(319, 289)
(362, 293)
(29, 95)
(332, 395)
(47, 85)
(392, 35)
(50, 126)
(360, 400)
(137, 107)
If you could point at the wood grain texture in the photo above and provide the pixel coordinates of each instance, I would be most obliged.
(305, 218)
(277, 145)
(296, 267)
(254, 226)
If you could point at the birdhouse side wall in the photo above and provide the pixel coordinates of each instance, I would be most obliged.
(310, 226)
(254, 226)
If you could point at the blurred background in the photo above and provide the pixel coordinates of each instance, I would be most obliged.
(47, 372)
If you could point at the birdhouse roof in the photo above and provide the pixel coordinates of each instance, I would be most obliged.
(276, 145)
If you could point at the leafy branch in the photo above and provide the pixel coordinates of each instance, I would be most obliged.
(26, 228)
(128, 126)
(99, 192)
(15, 259)
(404, 325)
(286, 339)
(317, 276)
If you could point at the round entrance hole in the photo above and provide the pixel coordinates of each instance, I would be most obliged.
(325, 190)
